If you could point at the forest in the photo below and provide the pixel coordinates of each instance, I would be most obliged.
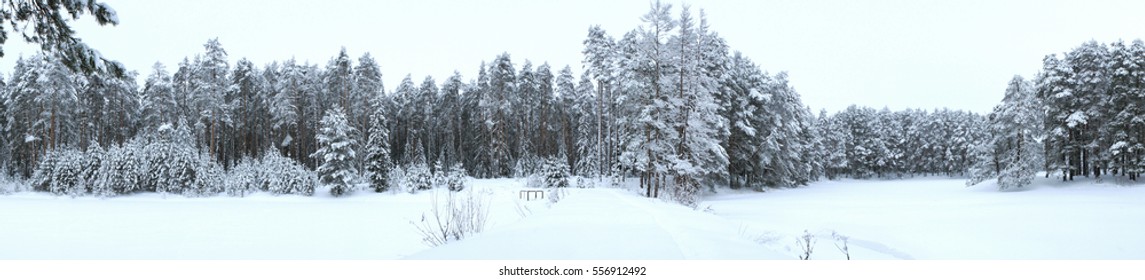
(668, 103)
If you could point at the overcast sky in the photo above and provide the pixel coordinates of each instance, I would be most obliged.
(900, 54)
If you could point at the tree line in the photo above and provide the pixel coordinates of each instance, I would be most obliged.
(668, 102)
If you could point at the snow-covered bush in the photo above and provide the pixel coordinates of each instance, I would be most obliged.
(527, 166)
(397, 179)
(455, 181)
(418, 178)
(244, 178)
(44, 173)
(89, 171)
(439, 175)
(457, 215)
(555, 174)
(281, 175)
(686, 191)
(59, 172)
(535, 181)
(8, 183)
(122, 170)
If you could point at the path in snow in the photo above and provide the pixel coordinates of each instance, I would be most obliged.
(606, 223)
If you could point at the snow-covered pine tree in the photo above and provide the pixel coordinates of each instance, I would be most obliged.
(497, 112)
(567, 116)
(368, 87)
(525, 101)
(1091, 87)
(378, 162)
(601, 63)
(1013, 153)
(1125, 111)
(210, 83)
(584, 134)
(548, 113)
(1054, 91)
(248, 109)
(401, 131)
(423, 122)
(449, 120)
(418, 176)
(336, 153)
(834, 143)
(93, 160)
(159, 105)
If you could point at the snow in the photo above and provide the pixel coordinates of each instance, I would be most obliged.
(923, 218)
(939, 218)
(615, 224)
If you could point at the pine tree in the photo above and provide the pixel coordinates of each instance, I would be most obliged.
(497, 111)
(1012, 154)
(601, 60)
(210, 83)
(336, 153)
(586, 129)
(378, 162)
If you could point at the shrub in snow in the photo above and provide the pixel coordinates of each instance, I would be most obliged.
(457, 215)
(841, 243)
(806, 243)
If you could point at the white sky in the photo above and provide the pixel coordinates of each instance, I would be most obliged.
(900, 54)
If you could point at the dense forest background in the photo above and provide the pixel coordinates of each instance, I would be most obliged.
(669, 103)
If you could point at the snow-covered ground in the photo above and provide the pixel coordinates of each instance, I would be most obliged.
(926, 218)
(939, 218)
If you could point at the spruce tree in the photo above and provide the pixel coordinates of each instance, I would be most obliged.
(336, 153)
(378, 162)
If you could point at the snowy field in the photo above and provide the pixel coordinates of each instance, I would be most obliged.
(929, 218)
(924, 218)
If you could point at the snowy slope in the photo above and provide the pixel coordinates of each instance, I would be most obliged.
(606, 223)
